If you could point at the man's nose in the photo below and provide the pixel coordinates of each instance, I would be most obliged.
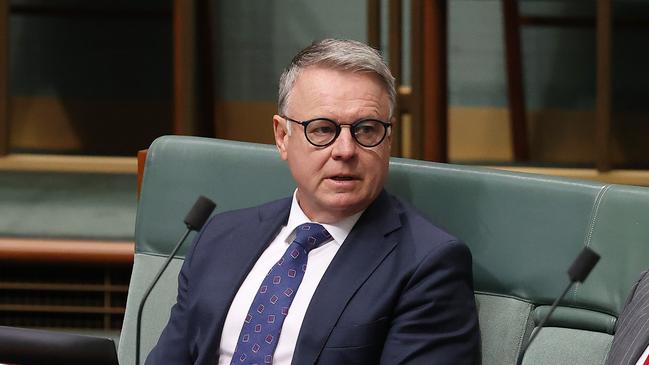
(344, 146)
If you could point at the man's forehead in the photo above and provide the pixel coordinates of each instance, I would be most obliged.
(316, 71)
(322, 83)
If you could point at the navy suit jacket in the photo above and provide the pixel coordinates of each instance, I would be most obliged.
(399, 291)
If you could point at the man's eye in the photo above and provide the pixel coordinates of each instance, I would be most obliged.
(323, 130)
(365, 129)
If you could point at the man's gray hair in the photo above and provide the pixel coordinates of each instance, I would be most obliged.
(336, 54)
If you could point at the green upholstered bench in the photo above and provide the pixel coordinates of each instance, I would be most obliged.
(523, 230)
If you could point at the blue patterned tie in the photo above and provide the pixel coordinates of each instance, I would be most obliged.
(261, 328)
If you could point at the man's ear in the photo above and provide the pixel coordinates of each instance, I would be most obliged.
(393, 122)
(281, 136)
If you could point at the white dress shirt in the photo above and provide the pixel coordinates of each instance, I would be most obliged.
(319, 260)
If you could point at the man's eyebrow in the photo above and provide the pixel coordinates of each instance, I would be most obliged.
(353, 121)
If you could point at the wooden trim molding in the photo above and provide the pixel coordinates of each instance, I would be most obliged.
(434, 88)
(625, 177)
(515, 87)
(141, 161)
(184, 70)
(66, 251)
(374, 23)
(4, 73)
(65, 163)
(604, 83)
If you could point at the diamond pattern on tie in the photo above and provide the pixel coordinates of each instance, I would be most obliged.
(263, 324)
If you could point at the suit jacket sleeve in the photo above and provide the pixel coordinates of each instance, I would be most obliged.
(435, 319)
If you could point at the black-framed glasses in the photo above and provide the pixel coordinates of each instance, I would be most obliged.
(321, 132)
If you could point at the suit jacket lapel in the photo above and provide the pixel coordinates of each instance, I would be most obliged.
(363, 250)
(248, 243)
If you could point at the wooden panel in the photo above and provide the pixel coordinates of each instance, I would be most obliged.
(141, 162)
(53, 124)
(374, 23)
(64, 287)
(4, 73)
(628, 177)
(184, 105)
(406, 136)
(603, 115)
(246, 121)
(557, 136)
(435, 80)
(64, 163)
(87, 11)
(415, 100)
(206, 56)
(63, 296)
(479, 135)
(66, 251)
(515, 89)
(395, 49)
(581, 22)
(60, 309)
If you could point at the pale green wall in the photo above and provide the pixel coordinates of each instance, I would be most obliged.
(256, 39)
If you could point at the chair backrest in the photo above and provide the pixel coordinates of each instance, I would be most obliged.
(523, 230)
(32, 346)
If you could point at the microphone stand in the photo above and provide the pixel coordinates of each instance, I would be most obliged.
(194, 221)
(148, 291)
(578, 272)
(519, 360)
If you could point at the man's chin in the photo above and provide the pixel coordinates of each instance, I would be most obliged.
(345, 206)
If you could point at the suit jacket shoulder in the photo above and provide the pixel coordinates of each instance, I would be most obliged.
(232, 220)
(424, 231)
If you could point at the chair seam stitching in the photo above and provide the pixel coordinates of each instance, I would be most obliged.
(522, 335)
(594, 217)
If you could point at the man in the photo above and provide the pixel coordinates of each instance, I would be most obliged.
(631, 341)
(382, 284)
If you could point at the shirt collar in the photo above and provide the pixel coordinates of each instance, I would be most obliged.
(338, 231)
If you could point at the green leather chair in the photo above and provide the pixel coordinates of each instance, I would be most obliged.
(523, 230)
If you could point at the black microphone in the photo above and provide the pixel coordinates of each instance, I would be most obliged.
(194, 221)
(578, 271)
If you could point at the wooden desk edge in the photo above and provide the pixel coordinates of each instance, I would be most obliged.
(66, 251)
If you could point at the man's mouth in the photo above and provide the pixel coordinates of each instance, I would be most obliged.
(342, 178)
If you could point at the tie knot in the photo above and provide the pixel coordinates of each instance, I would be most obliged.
(311, 235)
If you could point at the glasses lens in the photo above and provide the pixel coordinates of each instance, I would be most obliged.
(321, 131)
(370, 132)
